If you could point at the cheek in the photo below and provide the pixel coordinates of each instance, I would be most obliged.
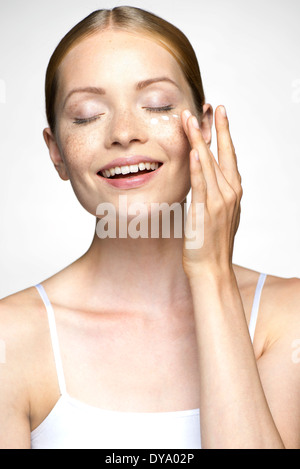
(168, 131)
(170, 135)
(78, 151)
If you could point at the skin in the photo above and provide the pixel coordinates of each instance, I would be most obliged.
(194, 314)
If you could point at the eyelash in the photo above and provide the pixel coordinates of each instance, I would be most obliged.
(159, 109)
(149, 109)
(86, 121)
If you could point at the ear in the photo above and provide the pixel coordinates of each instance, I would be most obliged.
(207, 122)
(55, 154)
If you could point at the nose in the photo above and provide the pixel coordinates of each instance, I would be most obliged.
(124, 129)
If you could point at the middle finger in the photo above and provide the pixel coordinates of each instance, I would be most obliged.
(197, 142)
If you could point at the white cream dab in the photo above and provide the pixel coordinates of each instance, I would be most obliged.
(155, 120)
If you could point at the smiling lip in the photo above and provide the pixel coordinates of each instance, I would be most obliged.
(131, 182)
(128, 160)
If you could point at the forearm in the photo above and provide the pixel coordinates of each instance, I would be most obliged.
(233, 408)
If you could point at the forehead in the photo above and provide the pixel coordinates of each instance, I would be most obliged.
(115, 57)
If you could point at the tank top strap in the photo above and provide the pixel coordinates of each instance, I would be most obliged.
(54, 339)
(55, 342)
(255, 306)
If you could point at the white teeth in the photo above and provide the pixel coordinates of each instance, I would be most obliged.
(125, 169)
(133, 168)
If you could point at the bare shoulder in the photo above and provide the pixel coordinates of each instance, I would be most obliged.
(18, 313)
(278, 363)
(21, 324)
(19, 335)
(279, 310)
(24, 335)
(283, 291)
(282, 306)
(278, 291)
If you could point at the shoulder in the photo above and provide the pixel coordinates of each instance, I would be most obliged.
(279, 313)
(18, 314)
(280, 295)
(279, 307)
(278, 363)
(282, 307)
(284, 289)
(23, 332)
(21, 321)
(19, 335)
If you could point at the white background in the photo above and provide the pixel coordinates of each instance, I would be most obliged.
(249, 60)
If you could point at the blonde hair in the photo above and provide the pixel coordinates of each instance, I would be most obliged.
(134, 20)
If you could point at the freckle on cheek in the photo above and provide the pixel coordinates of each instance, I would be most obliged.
(165, 125)
(73, 149)
(168, 130)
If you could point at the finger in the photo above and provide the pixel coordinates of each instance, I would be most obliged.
(184, 117)
(224, 186)
(226, 151)
(187, 118)
(198, 183)
(205, 157)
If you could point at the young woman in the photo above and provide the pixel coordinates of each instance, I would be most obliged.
(129, 345)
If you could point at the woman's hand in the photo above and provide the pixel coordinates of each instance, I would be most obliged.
(218, 187)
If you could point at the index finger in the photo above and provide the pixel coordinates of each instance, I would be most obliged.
(226, 152)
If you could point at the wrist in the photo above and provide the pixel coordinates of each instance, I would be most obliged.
(211, 274)
(216, 290)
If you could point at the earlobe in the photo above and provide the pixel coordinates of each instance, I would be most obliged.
(207, 122)
(55, 154)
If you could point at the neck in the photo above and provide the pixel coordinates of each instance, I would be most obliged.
(144, 272)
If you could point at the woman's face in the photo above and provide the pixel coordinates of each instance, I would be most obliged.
(120, 96)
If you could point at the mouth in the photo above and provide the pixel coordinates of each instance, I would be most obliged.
(129, 171)
(130, 176)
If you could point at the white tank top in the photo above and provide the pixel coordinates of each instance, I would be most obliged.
(72, 424)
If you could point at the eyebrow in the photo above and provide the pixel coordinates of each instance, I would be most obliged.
(145, 83)
(101, 91)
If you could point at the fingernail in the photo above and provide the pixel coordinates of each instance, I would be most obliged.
(186, 114)
(195, 122)
(223, 111)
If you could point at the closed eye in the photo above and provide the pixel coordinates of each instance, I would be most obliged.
(149, 109)
(159, 109)
(87, 120)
